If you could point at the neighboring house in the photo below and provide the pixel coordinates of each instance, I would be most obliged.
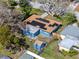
(70, 38)
(35, 25)
(39, 45)
(30, 55)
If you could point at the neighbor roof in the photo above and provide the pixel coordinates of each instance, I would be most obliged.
(77, 8)
(37, 21)
(71, 30)
(30, 55)
(68, 42)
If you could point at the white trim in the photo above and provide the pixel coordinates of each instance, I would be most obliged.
(44, 15)
(34, 55)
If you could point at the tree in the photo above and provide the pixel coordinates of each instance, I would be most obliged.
(57, 7)
(12, 2)
(4, 35)
(25, 8)
(23, 3)
(68, 18)
(10, 41)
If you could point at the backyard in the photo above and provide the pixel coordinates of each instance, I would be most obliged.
(52, 52)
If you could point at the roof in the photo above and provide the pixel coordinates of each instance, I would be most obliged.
(45, 24)
(68, 42)
(32, 29)
(38, 42)
(71, 30)
(35, 5)
(30, 55)
(25, 56)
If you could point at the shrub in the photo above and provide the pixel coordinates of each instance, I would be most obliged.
(70, 53)
(73, 52)
(12, 2)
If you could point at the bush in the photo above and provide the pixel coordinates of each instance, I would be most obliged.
(73, 52)
(64, 52)
(25, 9)
(12, 2)
(70, 53)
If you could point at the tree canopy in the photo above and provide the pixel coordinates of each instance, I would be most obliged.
(7, 39)
(4, 35)
(25, 8)
(12, 2)
(68, 18)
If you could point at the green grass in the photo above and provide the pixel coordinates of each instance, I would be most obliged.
(36, 11)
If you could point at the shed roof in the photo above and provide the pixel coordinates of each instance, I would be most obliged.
(68, 42)
(71, 30)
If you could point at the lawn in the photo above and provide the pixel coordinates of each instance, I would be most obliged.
(52, 52)
(36, 11)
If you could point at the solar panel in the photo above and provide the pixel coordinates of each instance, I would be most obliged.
(42, 20)
(52, 25)
(35, 23)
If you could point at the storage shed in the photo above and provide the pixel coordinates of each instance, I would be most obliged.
(39, 45)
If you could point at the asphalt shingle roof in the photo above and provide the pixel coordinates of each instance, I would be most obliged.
(68, 42)
(71, 30)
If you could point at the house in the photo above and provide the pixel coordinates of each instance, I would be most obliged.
(39, 45)
(70, 38)
(35, 25)
(71, 31)
(68, 43)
